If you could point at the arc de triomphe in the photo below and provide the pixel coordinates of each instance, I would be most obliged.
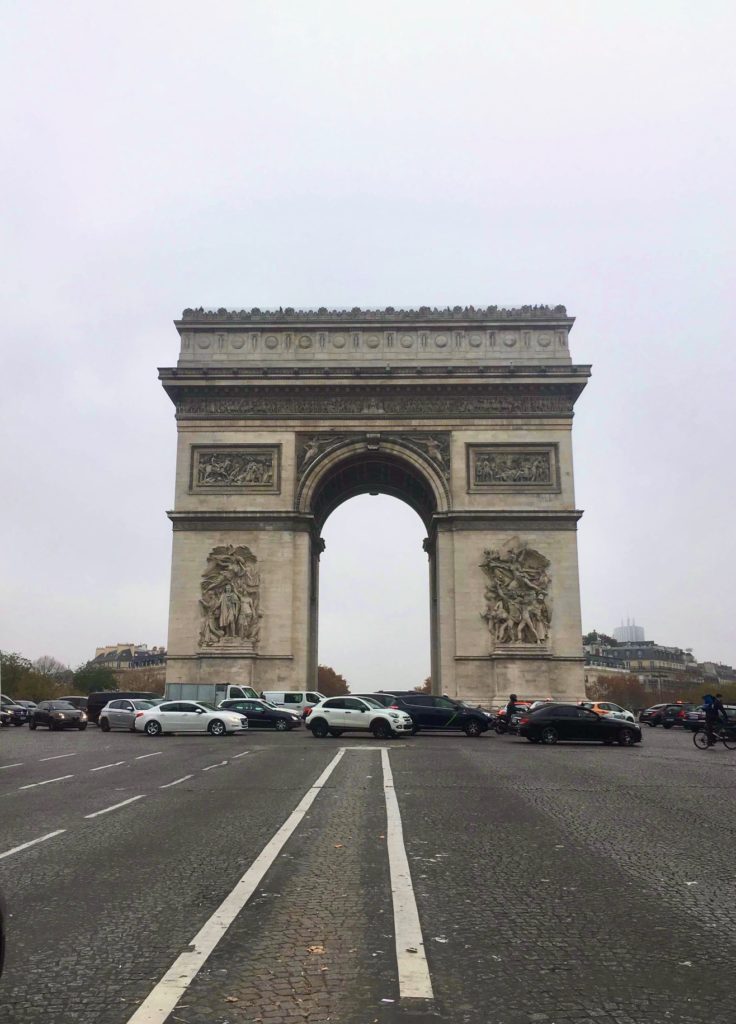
(465, 414)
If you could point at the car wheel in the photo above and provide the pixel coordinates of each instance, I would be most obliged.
(281, 725)
(16, 724)
(104, 724)
(82, 726)
(319, 729)
(626, 738)
(549, 734)
(608, 743)
(335, 732)
(666, 725)
(381, 730)
(472, 728)
(533, 739)
(216, 728)
(152, 728)
(31, 725)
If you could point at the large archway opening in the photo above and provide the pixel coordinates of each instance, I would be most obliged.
(378, 615)
(374, 608)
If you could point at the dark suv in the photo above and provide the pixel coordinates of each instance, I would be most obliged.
(18, 713)
(430, 712)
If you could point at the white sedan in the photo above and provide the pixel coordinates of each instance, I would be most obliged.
(188, 716)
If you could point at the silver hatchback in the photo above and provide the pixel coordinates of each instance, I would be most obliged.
(120, 714)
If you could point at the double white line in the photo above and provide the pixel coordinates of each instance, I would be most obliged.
(414, 979)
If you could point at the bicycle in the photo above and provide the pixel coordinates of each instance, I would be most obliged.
(725, 734)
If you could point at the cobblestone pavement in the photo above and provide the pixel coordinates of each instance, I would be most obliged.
(564, 884)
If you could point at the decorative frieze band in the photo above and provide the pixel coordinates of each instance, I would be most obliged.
(305, 402)
(512, 467)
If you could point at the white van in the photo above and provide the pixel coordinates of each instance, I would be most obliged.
(294, 700)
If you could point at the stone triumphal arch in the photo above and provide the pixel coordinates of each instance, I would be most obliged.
(465, 414)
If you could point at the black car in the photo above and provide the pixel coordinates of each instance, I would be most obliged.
(97, 701)
(655, 715)
(6, 718)
(676, 715)
(572, 722)
(57, 714)
(18, 712)
(262, 715)
(430, 712)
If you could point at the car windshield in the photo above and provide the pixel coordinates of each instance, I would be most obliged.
(206, 705)
(61, 705)
(141, 705)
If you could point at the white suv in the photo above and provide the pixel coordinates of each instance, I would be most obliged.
(337, 715)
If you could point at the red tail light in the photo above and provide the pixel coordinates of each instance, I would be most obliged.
(139, 713)
(394, 707)
(307, 712)
(523, 721)
(680, 714)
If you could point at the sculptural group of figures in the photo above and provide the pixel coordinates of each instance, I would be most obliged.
(230, 596)
(517, 608)
(508, 469)
(233, 469)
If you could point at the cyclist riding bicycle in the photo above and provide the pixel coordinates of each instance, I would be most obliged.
(714, 713)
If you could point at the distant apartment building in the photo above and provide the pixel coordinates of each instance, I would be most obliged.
(123, 657)
(629, 634)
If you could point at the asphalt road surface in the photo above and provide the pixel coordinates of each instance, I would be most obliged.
(277, 879)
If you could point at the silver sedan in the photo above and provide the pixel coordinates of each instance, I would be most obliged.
(120, 714)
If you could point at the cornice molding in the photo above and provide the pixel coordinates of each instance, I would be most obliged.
(389, 315)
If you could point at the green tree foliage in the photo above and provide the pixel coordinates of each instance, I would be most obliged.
(331, 683)
(594, 637)
(22, 682)
(89, 678)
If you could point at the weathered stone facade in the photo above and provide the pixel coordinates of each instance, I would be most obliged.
(465, 414)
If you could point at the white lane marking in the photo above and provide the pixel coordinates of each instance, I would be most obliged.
(176, 782)
(32, 785)
(414, 980)
(159, 1003)
(141, 756)
(114, 807)
(24, 846)
(57, 756)
(19, 764)
(211, 766)
(113, 765)
(236, 755)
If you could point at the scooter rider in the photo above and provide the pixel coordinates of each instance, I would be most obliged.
(511, 709)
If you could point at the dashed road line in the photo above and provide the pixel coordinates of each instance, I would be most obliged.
(211, 766)
(57, 756)
(114, 807)
(414, 979)
(159, 1003)
(113, 765)
(242, 754)
(141, 756)
(19, 764)
(46, 782)
(176, 782)
(24, 846)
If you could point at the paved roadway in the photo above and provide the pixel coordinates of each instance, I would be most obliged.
(553, 884)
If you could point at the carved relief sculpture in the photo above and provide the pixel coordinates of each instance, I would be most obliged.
(517, 594)
(508, 467)
(230, 598)
(435, 447)
(246, 467)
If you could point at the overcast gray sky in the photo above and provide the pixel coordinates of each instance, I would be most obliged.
(162, 155)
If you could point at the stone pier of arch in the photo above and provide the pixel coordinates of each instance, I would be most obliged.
(465, 414)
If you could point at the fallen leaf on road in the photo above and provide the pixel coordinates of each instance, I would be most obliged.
(232, 999)
(338, 846)
(316, 949)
